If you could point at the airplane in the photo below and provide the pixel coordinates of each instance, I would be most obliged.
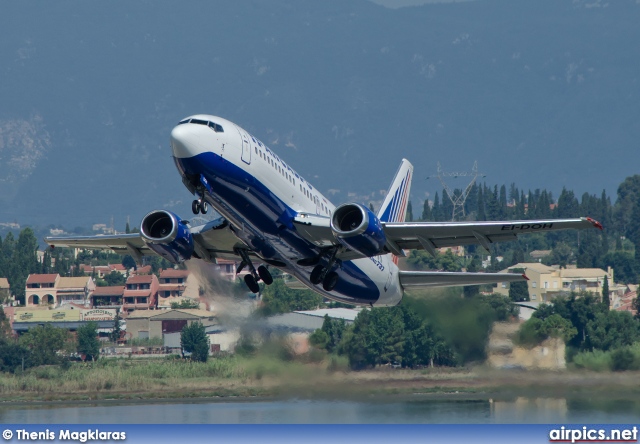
(271, 215)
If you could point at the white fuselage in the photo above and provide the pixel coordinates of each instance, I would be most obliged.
(259, 194)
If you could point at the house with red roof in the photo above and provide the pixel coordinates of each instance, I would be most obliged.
(140, 293)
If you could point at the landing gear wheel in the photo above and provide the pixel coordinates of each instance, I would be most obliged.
(330, 281)
(195, 207)
(204, 207)
(251, 283)
(316, 274)
(265, 275)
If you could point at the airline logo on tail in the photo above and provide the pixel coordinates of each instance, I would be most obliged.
(394, 207)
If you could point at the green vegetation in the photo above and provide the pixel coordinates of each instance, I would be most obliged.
(186, 304)
(112, 279)
(88, 343)
(597, 339)
(193, 340)
(435, 331)
(278, 298)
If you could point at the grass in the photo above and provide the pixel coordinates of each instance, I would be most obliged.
(280, 374)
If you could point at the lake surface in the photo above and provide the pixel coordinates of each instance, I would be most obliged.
(407, 410)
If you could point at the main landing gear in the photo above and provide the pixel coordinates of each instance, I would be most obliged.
(256, 275)
(199, 206)
(323, 274)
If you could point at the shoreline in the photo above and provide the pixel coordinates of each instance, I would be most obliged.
(380, 385)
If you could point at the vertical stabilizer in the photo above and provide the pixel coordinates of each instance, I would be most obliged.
(394, 207)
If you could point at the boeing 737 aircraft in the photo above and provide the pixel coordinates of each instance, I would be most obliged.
(272, 215)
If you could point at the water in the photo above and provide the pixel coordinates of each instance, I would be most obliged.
(414, 410)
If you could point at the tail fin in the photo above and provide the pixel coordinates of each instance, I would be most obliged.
(394, 207)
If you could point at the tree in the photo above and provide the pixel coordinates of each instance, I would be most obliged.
(115, 333)
(114, 278)
(193, 339)
(278, 298)
(5, 328)
(45, 343)
(519, 291)
(426, 211)
(88, 343)
(561, 254)
(612, 329)
(13, 357)
(606, 301)
(128, 262)
(409, 215)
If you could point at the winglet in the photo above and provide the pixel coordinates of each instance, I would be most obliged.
(394, 207)
(595, 223)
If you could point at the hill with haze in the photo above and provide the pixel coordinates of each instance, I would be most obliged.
(543, 93)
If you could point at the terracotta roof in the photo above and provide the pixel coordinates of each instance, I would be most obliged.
(117, 267)
(42, 278)
(116, 290)
(173, 273)
(144, 279)
(73, 282)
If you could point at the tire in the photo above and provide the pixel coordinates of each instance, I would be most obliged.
(330, 281)
(251, 283)
(315, 274)
(265, 275)
(204, 207)
(195, 207)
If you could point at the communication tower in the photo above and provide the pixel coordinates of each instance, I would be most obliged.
(457, 200)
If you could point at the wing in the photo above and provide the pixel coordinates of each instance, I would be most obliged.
(432, 235)
(412, 279)
(211, 240)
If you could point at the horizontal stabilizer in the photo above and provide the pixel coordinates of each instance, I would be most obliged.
(409, 279)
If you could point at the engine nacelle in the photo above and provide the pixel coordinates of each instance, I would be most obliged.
(357, 228)
(165, 234)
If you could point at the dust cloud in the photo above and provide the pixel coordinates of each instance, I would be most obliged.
(230, 302)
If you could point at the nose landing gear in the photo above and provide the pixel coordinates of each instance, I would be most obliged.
(199, 206)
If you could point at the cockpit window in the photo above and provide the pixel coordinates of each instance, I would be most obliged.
(217, 128)
(214, 126)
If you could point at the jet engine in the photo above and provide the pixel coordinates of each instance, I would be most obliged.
(167, 235)
(357, 228)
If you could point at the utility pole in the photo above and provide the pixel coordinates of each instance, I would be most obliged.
(459, 200)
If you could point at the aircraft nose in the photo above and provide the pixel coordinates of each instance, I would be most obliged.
(184, 142)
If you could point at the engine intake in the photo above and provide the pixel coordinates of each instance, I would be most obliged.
(357, 228)
(165, 234)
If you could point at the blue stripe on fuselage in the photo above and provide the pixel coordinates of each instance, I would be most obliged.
(267, 221)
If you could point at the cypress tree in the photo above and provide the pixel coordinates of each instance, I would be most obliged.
(606, 301)
(426, 211)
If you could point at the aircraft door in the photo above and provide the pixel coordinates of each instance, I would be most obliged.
(246, 146)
